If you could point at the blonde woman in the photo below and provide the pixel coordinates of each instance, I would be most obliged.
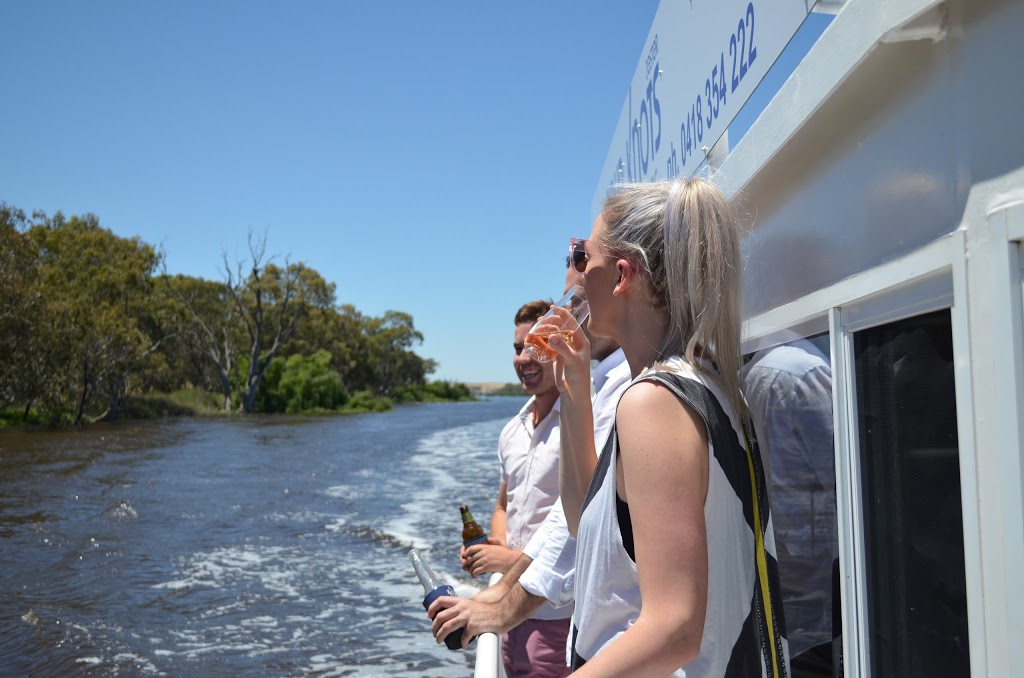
(675, 564)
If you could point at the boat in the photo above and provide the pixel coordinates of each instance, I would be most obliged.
(883, 188)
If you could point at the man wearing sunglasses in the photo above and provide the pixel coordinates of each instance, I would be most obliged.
(544, 574)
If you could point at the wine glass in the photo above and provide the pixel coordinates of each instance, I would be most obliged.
(550, 324)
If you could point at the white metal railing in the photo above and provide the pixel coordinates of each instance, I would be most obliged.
(488, 649)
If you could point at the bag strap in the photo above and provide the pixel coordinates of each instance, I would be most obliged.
(764, 580)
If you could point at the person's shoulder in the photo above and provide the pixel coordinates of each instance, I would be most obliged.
(789, 359)
(651, 414)
(644, 394)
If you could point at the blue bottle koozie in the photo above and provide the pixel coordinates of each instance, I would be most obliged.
(435, 588)
(453, 641)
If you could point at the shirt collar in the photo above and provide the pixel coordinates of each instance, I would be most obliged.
(600, 373)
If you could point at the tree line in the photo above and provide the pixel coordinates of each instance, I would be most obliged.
(90, 320)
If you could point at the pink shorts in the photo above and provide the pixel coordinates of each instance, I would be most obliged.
(536, 648)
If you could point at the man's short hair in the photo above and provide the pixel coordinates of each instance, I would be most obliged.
(532, 311)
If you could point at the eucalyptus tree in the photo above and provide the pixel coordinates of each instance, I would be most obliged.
(209, 327)
(94, 288)
(270, 300)
(20, 375)
(391, 339)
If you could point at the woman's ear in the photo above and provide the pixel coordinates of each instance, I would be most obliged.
(627, 271)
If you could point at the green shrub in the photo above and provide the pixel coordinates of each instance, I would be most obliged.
(434, 392)
(301, 384)
(9, 418)
(364, 401)
(184, 402)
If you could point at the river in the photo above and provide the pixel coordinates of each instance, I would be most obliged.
(271, 546)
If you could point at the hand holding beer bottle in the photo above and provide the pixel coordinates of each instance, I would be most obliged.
(472, 531)
(481, 553)
(472, 534)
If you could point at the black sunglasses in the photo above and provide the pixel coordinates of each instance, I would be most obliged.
(577, 255)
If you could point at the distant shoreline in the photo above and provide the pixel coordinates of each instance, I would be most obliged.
(485, 388)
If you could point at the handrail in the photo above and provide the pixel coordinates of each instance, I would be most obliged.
(488, 649)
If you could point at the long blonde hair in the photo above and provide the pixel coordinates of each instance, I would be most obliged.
(685, 237)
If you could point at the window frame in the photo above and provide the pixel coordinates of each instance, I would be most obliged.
(928, 279)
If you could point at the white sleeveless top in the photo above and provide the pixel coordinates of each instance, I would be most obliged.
(736, 640)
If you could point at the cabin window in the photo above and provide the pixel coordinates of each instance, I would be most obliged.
(909, 455)
(788, 386)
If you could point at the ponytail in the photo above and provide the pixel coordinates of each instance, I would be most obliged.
(685, 236)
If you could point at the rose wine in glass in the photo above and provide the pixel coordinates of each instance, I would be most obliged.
(537, 344)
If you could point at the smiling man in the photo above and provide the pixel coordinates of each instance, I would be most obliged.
(528, 453)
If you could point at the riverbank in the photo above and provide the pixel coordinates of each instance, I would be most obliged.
(192, 402)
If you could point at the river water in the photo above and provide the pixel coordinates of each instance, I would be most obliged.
(266, 546)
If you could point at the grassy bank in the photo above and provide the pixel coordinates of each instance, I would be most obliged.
(192, 402)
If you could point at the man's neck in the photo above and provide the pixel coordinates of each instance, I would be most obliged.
(542, 404)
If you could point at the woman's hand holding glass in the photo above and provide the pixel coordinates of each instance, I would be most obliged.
(576, 416)
(573, 311)
(572, 357)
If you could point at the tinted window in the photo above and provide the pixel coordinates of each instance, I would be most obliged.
(917, 599)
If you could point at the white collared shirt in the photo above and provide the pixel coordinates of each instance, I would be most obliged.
(528, 458)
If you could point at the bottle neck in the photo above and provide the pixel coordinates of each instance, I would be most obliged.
(424, 572)
(467, 517)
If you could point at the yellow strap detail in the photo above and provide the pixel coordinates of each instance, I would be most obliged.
(762, 563)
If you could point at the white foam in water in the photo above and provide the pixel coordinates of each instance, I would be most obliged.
(405, 532)
(264, 621)
(136, 662)
(274, 566)
(315, 589)
(343, 492)
(436, 458)
(336, 525)
(297, 517)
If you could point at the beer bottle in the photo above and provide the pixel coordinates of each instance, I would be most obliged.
(434, 589)
(472, 532)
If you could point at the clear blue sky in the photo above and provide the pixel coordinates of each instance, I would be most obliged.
(432, 158)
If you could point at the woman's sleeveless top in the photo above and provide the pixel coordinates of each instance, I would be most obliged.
(737, 638)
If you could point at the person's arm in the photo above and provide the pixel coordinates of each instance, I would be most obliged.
(500, 515)
(500, 589)
(576, 423)
(552, 573)
(496, 609)
(664, 479)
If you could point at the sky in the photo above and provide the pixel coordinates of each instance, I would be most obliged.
(430, 158)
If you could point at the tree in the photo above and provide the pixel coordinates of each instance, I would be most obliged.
(212, 328)
(341, 331)
(391, 338)
(20, 374)
(94, 286)
(270, 301)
